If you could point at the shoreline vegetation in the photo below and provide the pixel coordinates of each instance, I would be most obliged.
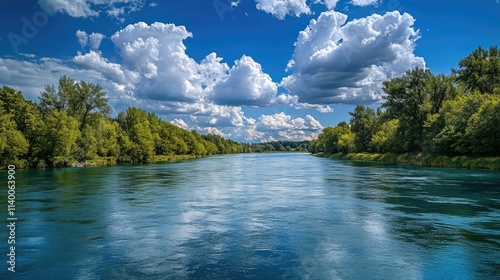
(71, 126)
(421, 160)
(427, 119)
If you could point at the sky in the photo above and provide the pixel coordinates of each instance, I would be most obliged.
(249, 70)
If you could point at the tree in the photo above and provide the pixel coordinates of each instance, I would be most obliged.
(136, 124)
(89, 99)
(78, 99)
(13, 144)
(480, 70)
(26, 116)
(449, 126)
(440, 88)
(59, 100)
(363, 124)
(482, 129)
(59, 135)
(383, 140)
(408, 100)
(334, 139)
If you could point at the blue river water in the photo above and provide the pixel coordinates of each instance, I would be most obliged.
(255, 216)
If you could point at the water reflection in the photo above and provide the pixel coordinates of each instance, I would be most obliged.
(269, 216)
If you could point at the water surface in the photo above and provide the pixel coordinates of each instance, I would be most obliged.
(257, 216)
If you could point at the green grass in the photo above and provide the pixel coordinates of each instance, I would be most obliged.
(420, 159)
(163, 158)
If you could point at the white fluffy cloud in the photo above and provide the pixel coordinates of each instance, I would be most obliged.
(282, 121)
(91, 8)
(282, 8)
(330, 4)
(245, 84)
(94, 39)
(180, 123)
(113, 72)
(155, 66)
(339, 62)
(32, 77)
(157, 53)
(364, 3)
(154, 72)
(283, 126)
(83, 38)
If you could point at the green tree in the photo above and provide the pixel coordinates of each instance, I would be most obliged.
(90, 99)
(440, 88)
(383, 140)
(136, 124)
(26, 115)
(59, 100)
(408, 100)
(480, 71)
(78, 99)
(363, 123)
(13, 144)
(59, 135)
(328, 139)
(483, 130)
(449, 126)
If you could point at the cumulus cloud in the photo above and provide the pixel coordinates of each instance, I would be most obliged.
(113, 72)
(330, 4)
(91, 8)
(293, 101)
(83, 38)
(282, 8)
(364, 3)
(32, 77)
(246, 84)
(154, 72)
(339, 62)
(180, 123)
(274, 127)
(28, 55)
(94, 39)
(157, 53)
(283, 126)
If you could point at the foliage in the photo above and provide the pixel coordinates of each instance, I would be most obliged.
(480, 71)
(71, 124)
(384, 139)
(363, 124)
(13, 144)
(334, 140)
(276, 146)
(443, 115)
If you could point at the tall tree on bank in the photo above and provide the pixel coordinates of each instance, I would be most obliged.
(364, 124)
(480, 70)
(78, 99)
(407, 100)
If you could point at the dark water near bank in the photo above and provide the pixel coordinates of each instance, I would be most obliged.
(255, 216)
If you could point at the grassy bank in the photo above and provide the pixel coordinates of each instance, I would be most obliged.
(419, 159)
(101, 161)
(112, 161)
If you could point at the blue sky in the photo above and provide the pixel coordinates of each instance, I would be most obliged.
(251, 70)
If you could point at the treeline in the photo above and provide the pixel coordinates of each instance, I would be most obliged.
(434, 114)
(278, 146)
(71, 124)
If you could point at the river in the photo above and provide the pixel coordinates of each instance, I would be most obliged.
(255, 216)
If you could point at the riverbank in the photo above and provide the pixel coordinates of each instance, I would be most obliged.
(102, 161)
(420, 159)
(111, 161)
